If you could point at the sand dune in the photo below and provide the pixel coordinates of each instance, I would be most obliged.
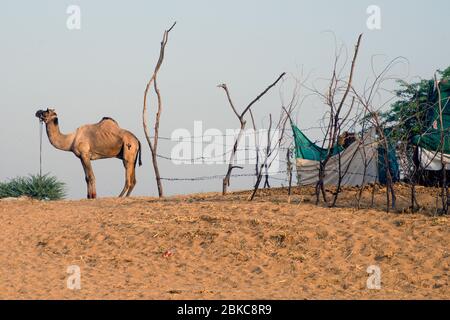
(209, 247)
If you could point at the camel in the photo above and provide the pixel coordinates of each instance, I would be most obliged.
(346, 139)
(101, 140)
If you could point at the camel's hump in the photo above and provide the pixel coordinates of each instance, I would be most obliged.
(108, 118)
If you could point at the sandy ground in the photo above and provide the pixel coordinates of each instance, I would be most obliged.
(210, 247)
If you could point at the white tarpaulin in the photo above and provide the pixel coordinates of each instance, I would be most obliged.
(431, 160)
(358, 163)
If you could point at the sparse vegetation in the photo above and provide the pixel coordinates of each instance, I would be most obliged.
(43, 187)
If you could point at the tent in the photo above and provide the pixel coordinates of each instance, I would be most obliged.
(431, 160)
(360, 163)
(429, 141)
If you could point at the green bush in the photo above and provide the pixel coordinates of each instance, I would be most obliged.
(34, 186)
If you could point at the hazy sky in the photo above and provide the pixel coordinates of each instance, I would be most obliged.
(101, 70)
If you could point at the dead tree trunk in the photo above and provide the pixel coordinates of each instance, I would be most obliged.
(335, 123)
(268, 148)
(389, 181)
(444, 188)
(153, 80)
(256, 142)
(231, 166)
(410, 152)
(289, 172)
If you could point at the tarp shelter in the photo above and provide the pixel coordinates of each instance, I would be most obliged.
(431, 160)
(429, 141)
(360, 163)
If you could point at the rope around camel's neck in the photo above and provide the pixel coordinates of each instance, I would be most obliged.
(41, 126)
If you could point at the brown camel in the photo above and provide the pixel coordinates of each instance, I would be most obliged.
(102, 140)
(346, 139)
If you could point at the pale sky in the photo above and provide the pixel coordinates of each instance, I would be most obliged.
(102, 69)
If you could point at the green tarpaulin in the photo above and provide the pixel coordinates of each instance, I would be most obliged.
(430, 139)
(305, 149)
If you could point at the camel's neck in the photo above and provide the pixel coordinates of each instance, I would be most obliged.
(57, 139)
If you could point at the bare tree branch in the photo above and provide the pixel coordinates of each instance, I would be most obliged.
(153, 80)
(226, 179)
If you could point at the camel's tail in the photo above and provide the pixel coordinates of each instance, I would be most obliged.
(139, 155)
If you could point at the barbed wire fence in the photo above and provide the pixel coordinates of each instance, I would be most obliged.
(204, 160)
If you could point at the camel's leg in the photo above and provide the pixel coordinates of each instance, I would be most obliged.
(130, 154)
(133, 180)
(126, 164)
(86, 177)
(89, 175)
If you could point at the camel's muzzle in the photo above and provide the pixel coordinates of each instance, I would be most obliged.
(40, 114)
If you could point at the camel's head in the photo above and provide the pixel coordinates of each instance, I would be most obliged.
(47, 115)
(346, 139)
